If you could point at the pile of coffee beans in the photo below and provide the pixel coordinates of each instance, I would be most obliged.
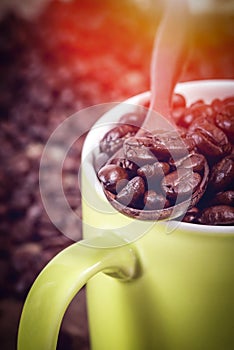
(159, 169)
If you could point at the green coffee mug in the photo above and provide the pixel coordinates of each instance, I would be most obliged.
(163, 285)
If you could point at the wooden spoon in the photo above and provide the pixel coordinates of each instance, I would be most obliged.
(169, 55)
(168, 58)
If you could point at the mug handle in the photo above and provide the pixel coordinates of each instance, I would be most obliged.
(59, 282)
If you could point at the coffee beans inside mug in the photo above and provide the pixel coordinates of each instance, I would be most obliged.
(147, 177)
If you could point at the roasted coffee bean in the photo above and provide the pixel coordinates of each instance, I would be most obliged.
(193, 161)
(114, 139)
(178, 100)
(225, 121)
(185, 119)
(228, 100)
(197, 110)
(156, 170)
(201, 123)
(100, 161)
(217, 104)
(113, 177)
(226, 198)
(171, 144)
(210, 140)
(153, 173)
(153, 200)
(191, 215)
(182, 183)
(138, 150)
(178, 114)
(178, 106)
(197, 103)
(126, 164)
(222, 174)
(159, 145)
(132, 194)
(217, 215)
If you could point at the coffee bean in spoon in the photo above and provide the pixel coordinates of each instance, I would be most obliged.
(130, 167)
(181, 183)
(113, 177)
(157, 145)
(139, 150)
(132, 194)
(155, 171)
(155, 201)
(193, 160)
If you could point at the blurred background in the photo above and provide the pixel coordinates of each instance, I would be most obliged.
(57, 57)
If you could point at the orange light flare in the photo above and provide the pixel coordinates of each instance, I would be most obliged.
(105, 41)
(211, 46)
(111, 42)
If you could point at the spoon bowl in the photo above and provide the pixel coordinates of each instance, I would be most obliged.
(171, 212)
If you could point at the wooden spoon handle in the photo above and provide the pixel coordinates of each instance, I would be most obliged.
(168, 57)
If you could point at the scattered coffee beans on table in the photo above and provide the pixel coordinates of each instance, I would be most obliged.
(157, 170)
